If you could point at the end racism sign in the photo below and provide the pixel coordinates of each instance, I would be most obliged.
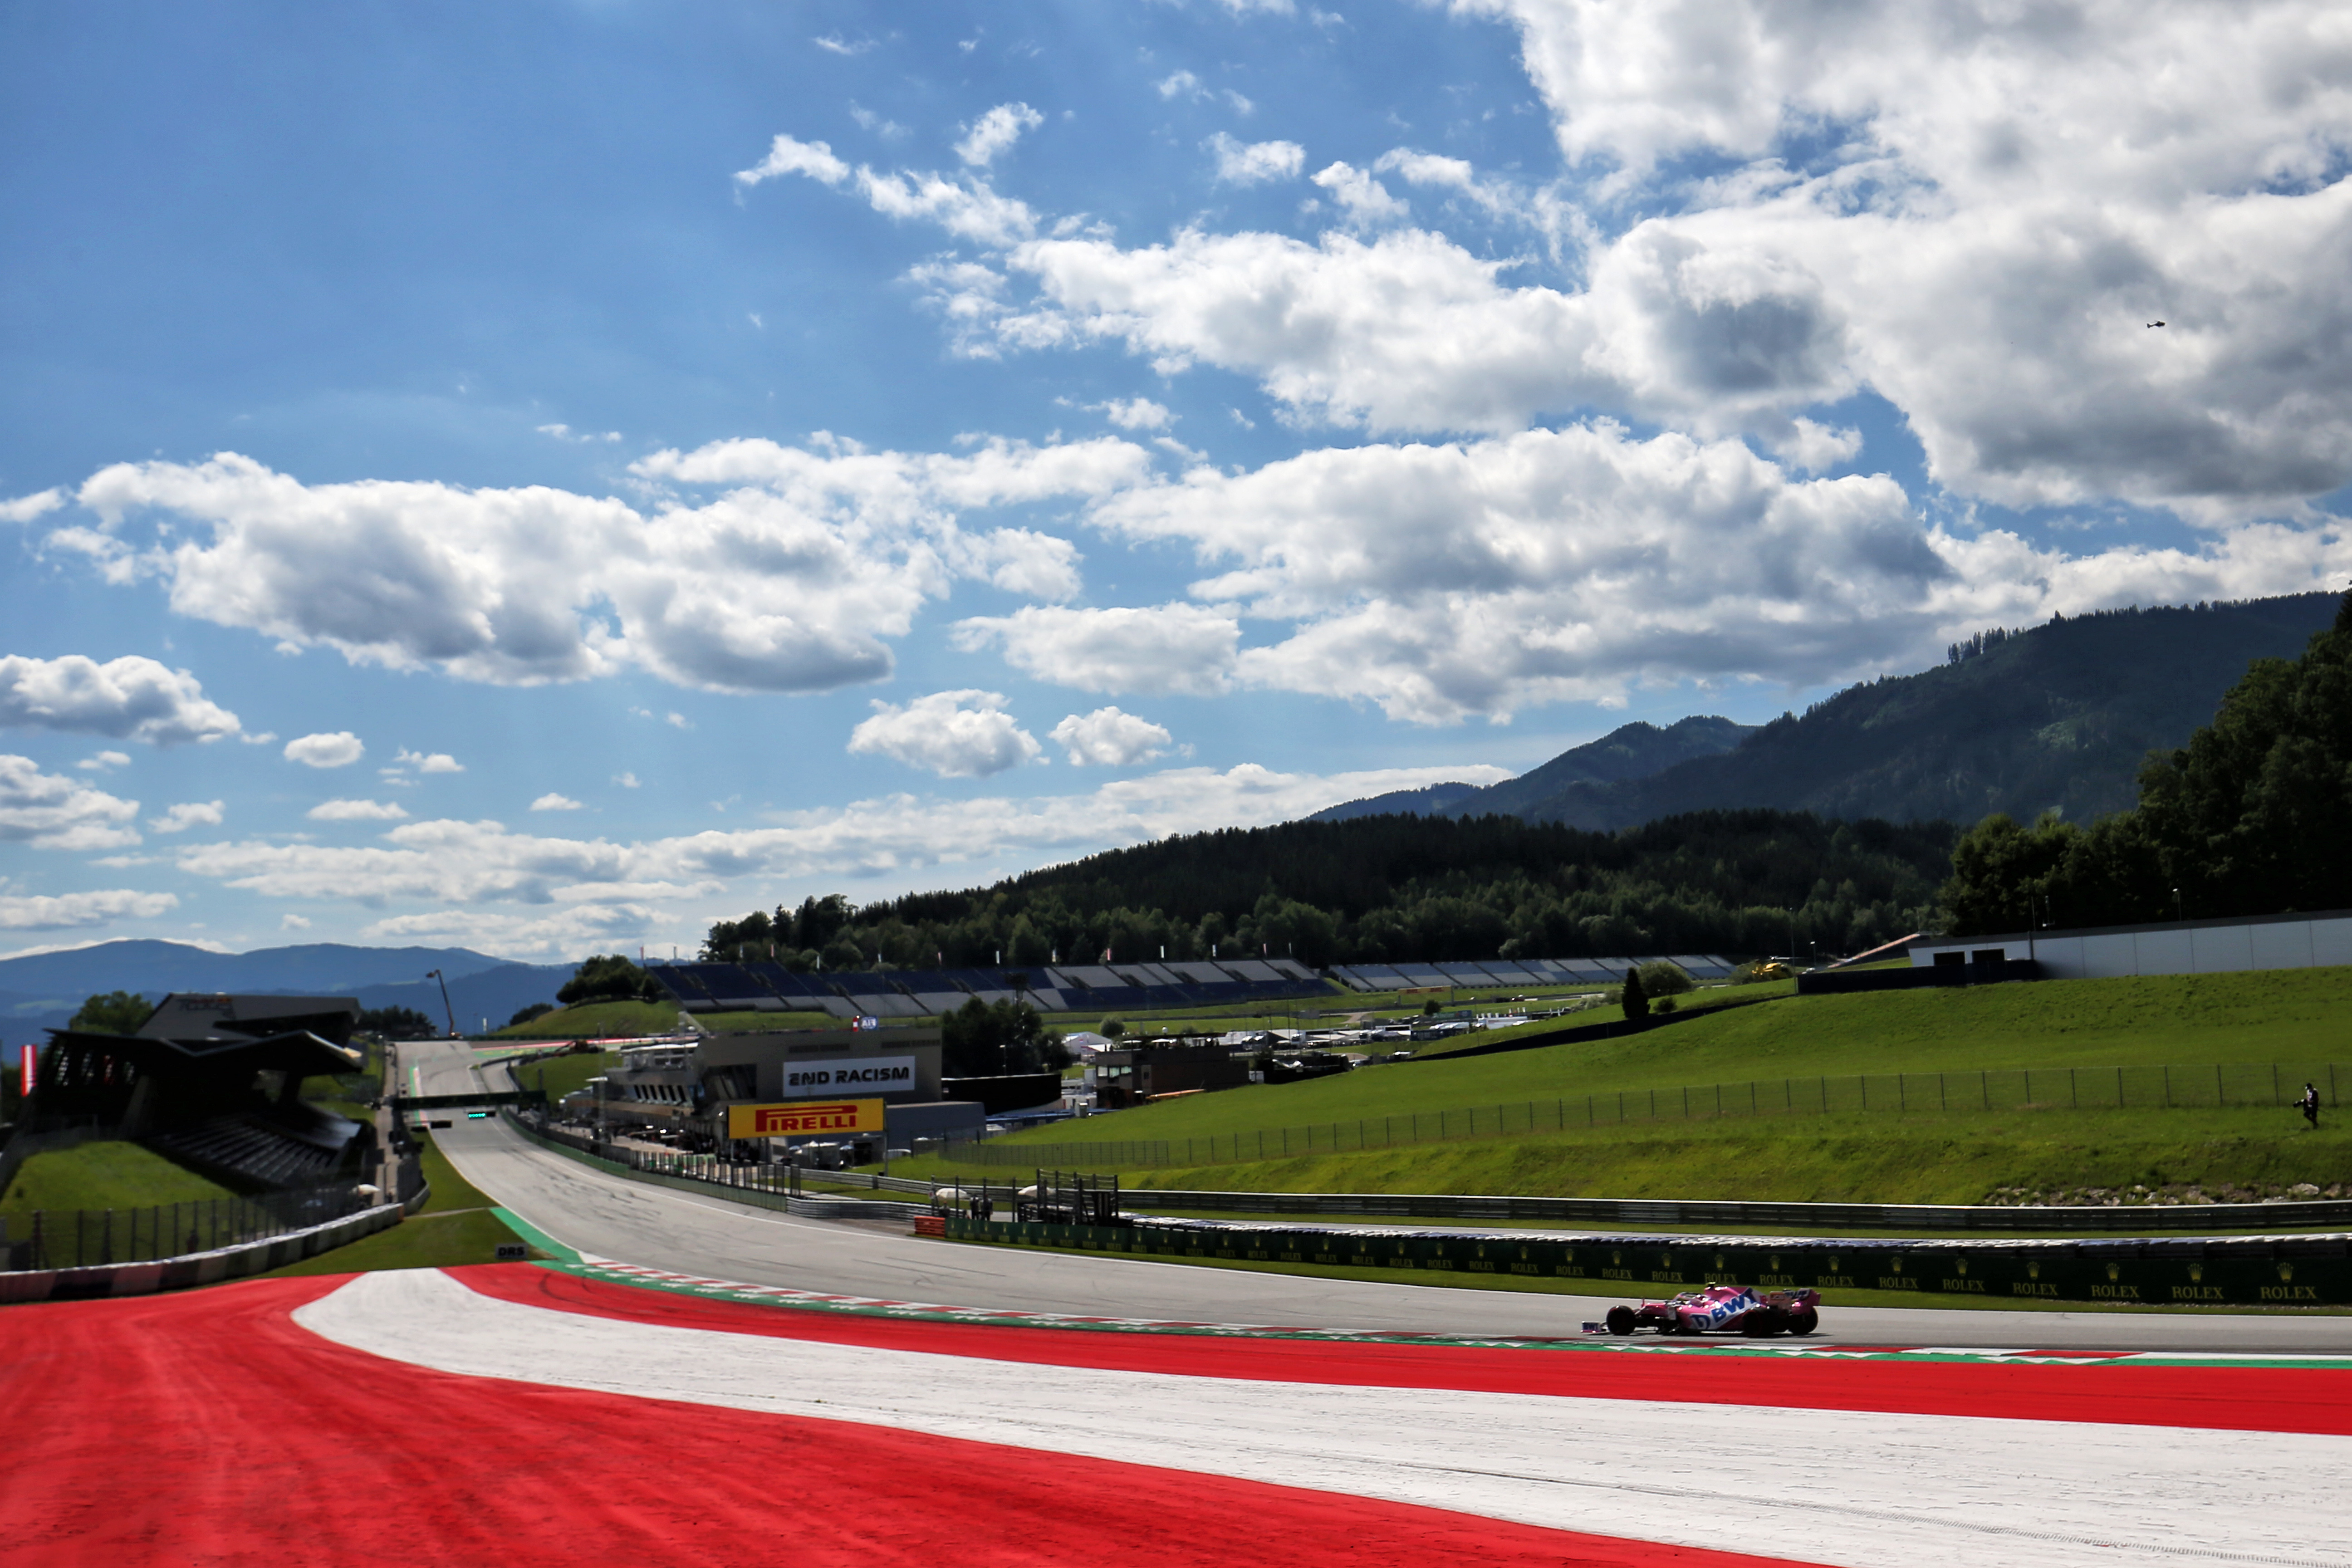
(805, 1119)
(850, 1075)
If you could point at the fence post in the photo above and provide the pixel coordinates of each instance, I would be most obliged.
(2119, 1088)
(1902, 1095)
(2074, 1091)
(1943, 1102)
(1984, 1086)
(2221, 1092)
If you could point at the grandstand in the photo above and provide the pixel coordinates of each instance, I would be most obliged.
(763, 986)
(213, 1082)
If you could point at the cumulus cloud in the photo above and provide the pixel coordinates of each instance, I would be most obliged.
(129, 698)
(1364, 199)
(428, 762)
(338, 749)
(995, 133)
(790, 155)
(294, 922)
(25, 508)
(1136, 414)
(520, 892)
(627, 781)
(357, 811)
(49, 811)
(1255, 163)
(188, 814)
(792, 577)
(956, 734)
(1110, 739)
(1158, 648)
(103, 761)
(75, 911)
(966, 207)
(553, 801)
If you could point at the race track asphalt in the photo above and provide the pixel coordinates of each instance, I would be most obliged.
(612, 1216)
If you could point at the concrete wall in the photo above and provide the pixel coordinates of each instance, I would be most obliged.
(2189, 947)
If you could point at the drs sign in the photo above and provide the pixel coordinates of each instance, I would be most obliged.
(805, 1119)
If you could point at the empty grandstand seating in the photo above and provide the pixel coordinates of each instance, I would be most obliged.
(257, 1149)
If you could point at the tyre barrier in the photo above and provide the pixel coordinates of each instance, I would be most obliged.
(2153, 1271)
(196, 1268)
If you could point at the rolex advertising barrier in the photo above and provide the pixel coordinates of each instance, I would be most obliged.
(2286, 1271)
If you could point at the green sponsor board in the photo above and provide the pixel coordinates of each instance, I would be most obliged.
(2300, 1270)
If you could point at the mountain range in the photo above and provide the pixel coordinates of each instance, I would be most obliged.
(2056, 717)
(43, 990)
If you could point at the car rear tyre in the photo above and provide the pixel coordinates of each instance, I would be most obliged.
(1621, 1320)
(1803, 1321)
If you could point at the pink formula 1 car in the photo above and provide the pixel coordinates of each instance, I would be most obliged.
(1722, 1308)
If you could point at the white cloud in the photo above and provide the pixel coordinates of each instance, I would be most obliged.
(49, 811)
(1365, 200)
(996, 131)
(834, 44)
(1179, 84)
(791, 578)
(565, 433)
(627, 781)
(25, 508)
(129, 698)
(1254, 162)
(1110, 739)
(72, 912)
(790, 155)
(569, 891)
(188, 814)
(338, 749)
(1163, 649)
(553, 801)
(433, 762)
(1135, 414)
(103, 761)
(956, 734)
(966, 207)
(293, 922)
(357, 811)
(1811, 448)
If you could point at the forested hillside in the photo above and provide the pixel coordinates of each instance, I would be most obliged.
(2058, 717)
(2253, 817)
(1632, 751)
(1391, 888)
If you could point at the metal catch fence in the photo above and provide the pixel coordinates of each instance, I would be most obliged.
(2270, 1084)
(82, 1238)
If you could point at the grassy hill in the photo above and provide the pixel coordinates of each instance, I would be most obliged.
(1919, 1154)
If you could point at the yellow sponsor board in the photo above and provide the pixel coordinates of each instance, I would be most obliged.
(805, 1119)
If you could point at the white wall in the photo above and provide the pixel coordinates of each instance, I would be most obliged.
(2215, 948)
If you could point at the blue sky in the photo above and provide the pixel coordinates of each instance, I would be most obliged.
(543, 476)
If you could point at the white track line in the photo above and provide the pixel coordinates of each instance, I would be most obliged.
(1833, 1487)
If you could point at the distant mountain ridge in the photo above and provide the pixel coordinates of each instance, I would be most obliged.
(1629, 751)
(43, 990)
(2058, 715)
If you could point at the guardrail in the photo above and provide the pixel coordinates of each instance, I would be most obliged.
(2173, 1271)
(760, 1186)
(79, 1238)
(1741, 1213)
(2269, 1084)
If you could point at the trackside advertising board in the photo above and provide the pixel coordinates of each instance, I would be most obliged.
(832, 1076)
(805, 1119)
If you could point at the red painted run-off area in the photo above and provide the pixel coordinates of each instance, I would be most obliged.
(2250, 1399)
(209, 1429)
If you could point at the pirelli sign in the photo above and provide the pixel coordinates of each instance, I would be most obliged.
(805, 1119)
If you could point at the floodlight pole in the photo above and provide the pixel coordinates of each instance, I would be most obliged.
(446, 1011)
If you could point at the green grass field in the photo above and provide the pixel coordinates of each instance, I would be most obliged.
(596, 1020)
(428, 1240)
(1883, 1155)
(104, 1175)
(560, 1075)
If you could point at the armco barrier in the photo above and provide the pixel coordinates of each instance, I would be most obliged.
(1744, 1213)
(749, 1192)
(195, 1269)
(2302, 1270)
